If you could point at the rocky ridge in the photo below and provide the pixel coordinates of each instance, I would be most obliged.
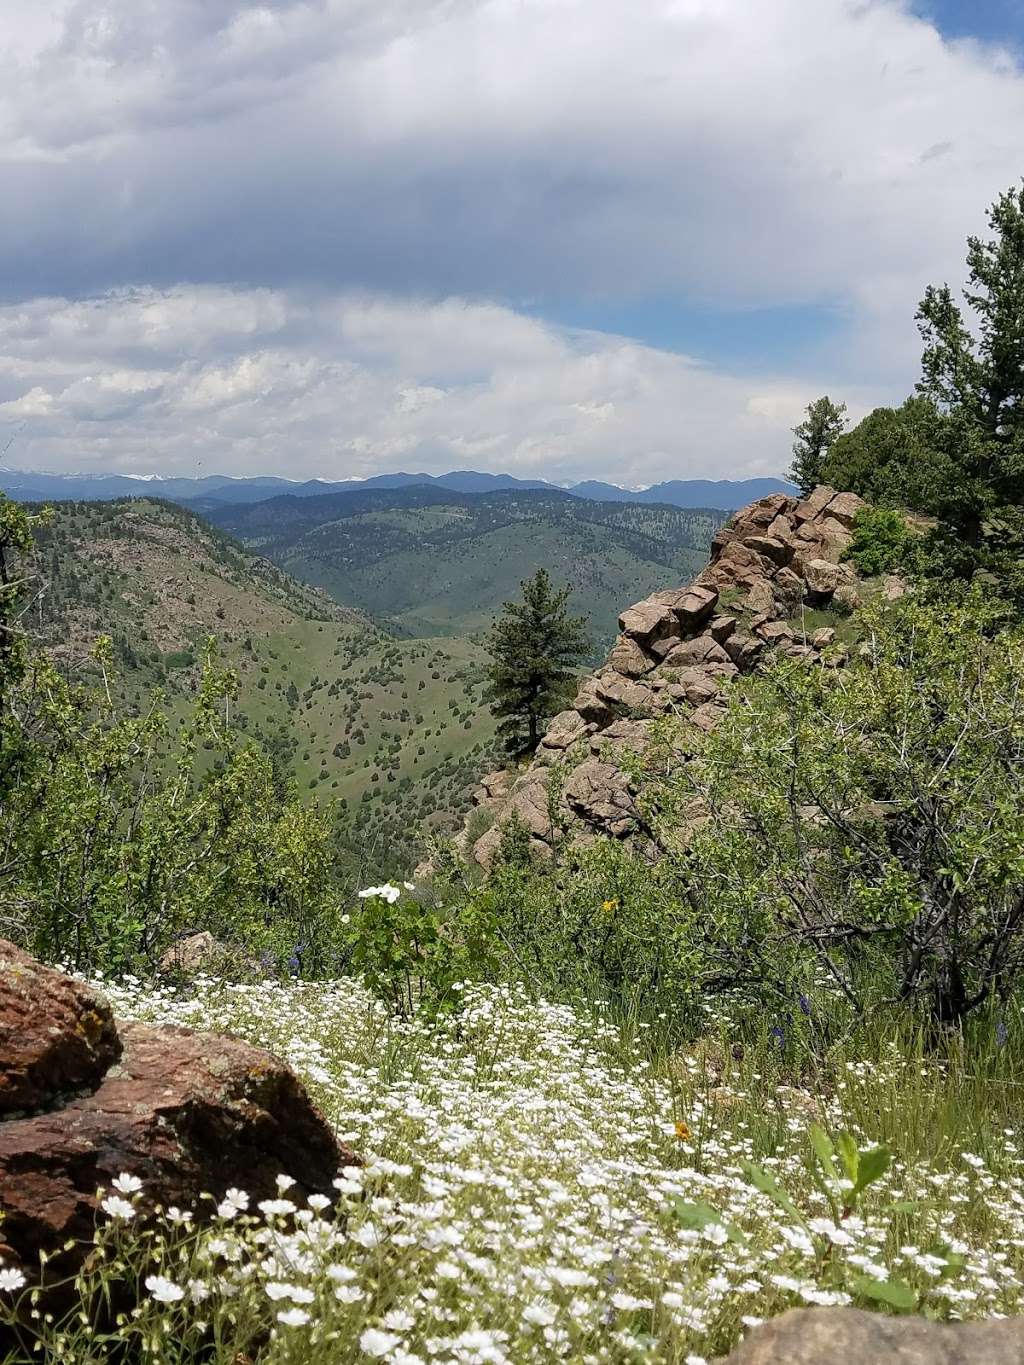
(674, 652)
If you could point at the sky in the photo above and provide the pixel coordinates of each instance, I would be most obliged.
(619, 239)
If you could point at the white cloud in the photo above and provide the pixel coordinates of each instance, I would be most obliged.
(327, 163)
(353, 384)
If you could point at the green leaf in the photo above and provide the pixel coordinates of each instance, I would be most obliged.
(849, 1154)
(699, 1216)
(871, 1167)
(823, 1150)
(768, 1185)
(892, 1292)
(695, 1216)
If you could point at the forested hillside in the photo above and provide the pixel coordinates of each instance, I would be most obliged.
(392, 730)
(437, 562)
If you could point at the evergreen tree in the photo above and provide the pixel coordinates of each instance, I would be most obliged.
(815, 435)
(975, 378)
(535, 648)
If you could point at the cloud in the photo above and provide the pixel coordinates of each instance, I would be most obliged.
(261, 381)
(725, 149)
(500, 159)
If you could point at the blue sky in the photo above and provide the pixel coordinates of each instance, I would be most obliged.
(627, 239)
(1000, 21)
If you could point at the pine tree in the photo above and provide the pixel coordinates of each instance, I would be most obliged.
(535, 648)
(975, 376)
(815, 435)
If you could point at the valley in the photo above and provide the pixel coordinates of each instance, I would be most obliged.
(359, 653)
(436, 562)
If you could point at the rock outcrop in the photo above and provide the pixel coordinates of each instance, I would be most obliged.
(673, 654)
(819, 1336)
(187, 1113)
(57, 1037)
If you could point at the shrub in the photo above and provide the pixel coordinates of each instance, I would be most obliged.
(882, 542)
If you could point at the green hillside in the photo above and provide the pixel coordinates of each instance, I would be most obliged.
(393, 730)
(436, 562)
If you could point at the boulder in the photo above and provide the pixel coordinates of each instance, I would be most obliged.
(622, 736)
(528, 800)
(622, 692)
(770, 547)
(847, 597)
(814, 504)
(743, 650)
(648, 620)
(694, 606)
(566, 728)
(192, 954)
(782, 526)
(599, 792)
(822, 577)
(722, 627)
(694, 686)
(821, 639)
(629, 659)
(894, 587)
(708, 716)
(57, 1035)
(496, 784)
(702, 649)
(834, 537)
(186, 1113)
(590, 704)
(776, 633)
(844, 507)
(819, 1336)
(760, 598)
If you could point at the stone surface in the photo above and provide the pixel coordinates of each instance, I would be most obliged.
(648, 620)
(192, 954)
(760, 597)
(844, 507)
(822, 577)
(629, 659)
(822, 1336)
(701, 650)
(771, 547)
(695, 606)
(566, 728)
(814, 504)
(622, 692)
(599, 791)
(185, 1112)
(57, 1035)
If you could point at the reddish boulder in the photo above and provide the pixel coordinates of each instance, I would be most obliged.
(648, 620)
(187, 1113)
(815, 1336)
(57, 1035)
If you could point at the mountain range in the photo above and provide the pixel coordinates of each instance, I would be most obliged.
(431, 561)
(216, 490)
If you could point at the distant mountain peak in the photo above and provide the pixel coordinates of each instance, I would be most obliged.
(208, 491)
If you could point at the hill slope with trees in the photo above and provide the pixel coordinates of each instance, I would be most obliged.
(437, 562)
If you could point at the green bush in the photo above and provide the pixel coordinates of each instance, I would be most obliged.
(882, 542)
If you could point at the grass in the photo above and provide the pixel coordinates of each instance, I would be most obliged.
(546, 1182)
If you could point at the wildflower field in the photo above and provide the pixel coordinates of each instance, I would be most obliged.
(548, 1183)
